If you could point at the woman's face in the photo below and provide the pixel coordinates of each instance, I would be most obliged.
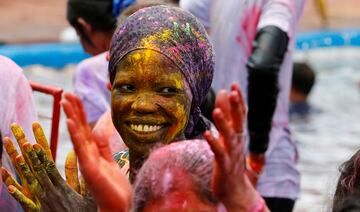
(151, 100)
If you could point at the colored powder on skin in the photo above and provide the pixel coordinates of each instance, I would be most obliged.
(180, 37)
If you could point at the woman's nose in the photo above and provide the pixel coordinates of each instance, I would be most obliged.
(145, 104)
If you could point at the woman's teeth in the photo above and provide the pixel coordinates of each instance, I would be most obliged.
(145, 128)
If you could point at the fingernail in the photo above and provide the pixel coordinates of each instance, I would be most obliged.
(7, 142)
(36, 125)
(3, 172)
(20, 160)
(11, 189)
(27, 147)
(37, 148)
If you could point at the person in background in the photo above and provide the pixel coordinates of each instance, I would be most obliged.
(17, 105)
(94, 22)
(303, 80)
(253, 42)
(347, 193)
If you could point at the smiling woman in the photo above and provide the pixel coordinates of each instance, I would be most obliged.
(161, 68)
(150, 99)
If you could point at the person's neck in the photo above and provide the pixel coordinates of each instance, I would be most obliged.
(136, 161)
(104, 41)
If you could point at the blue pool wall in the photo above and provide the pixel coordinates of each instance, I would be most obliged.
(57, 55)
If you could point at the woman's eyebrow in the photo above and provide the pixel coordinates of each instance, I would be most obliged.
(168, 82)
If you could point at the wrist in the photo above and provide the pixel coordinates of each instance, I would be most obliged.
(259, 205)
(242, 198)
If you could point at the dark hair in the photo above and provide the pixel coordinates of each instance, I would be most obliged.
(208, 105)
(348, 204)
(303, 78)
(349, 181)
(98, 13)
(192, 157)
(140, 5)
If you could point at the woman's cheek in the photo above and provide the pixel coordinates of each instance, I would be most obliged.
(179, 113)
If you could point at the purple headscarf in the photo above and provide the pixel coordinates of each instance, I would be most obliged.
(179, 36)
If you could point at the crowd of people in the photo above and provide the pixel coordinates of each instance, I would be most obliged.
(159, 123)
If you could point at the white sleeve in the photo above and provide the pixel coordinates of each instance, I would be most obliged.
(283, 14)
(201, 9)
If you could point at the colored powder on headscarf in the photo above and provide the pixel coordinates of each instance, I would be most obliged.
(179, 36)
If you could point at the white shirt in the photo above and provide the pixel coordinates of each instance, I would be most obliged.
(233, 26)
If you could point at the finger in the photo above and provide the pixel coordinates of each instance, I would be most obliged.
(10, 149)
(218, 149)
(237, 112)
(13, 153)
(38, 167)
(222, 102)
(41, 138)
(82, 113)
(71, 171)
(32, 182)
(69, 108)
(224, 129)
(235, 87)
(9, 180)
(85, 192)
(26, 203)
(21, 138)
(80, 142)
(49, 166)
(77, 113)
(19, 134)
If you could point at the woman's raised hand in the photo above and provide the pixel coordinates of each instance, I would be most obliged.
(107, 183)
(43, 188)
(230, 182)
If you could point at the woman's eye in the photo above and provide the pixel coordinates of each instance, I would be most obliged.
(168, 90)
(127, 88)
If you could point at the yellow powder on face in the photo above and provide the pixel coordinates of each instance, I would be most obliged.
(135, 57)
(178, 82)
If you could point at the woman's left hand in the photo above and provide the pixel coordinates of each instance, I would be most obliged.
(48, 190)
(230, 182)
